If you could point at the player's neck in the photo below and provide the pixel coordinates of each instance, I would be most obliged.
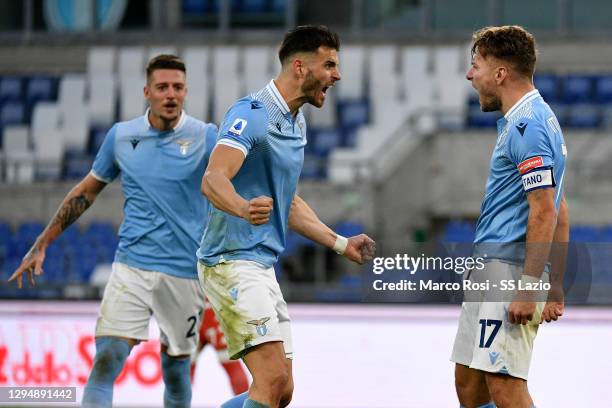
(291, 93)
(160, 124)
(514, 94)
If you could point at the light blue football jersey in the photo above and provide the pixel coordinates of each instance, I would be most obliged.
(530, 153)
(161, 173)
(263, 129)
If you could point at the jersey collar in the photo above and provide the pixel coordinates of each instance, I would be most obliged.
(529, 96)
(176, 127)
(277, 97)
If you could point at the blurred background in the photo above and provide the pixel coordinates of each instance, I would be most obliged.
(399, 151)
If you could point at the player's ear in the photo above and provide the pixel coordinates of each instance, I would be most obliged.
(500, 74)
(298, 67)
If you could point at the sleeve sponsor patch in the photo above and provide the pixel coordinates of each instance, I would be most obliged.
(538, 179)
(237, 127)
(530, 164)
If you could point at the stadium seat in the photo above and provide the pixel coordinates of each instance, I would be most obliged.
(131, 62)
(582, 116)
(352, 85)
(577, 89)
(606, 117)
(450, 86)
(196, 63)
(603, 90)
(313, 169)
(11, 89)
(76, 165)
(47, 140)
(479, 119)
(227, 85)
(349, 228)
(100, 61)
(259, 60)
(17, 155)
(96, 138)
(324, 140)
(548, 86)
(585, 233)
(459, 232)
(12, 113)
(353, 113)
(41, 88)
(254, 6)
(102, 99)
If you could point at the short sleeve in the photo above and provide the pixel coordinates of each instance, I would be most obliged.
(530, 150)
(244, 125)
(105, 167)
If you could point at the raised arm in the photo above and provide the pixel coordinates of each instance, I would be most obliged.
(304, 221)
(79, 199)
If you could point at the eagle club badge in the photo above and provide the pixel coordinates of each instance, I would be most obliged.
(260, 325)
(184, 146)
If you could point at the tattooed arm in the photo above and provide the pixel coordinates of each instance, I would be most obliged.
(75, 203)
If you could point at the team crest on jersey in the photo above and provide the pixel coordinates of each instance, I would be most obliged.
(184, 146)
(260, 325)
(237, 127)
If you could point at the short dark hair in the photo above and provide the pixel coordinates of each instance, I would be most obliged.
(307, 38)
(165, 61)
(511, 43)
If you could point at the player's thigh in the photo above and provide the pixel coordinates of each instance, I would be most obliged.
(177, 306)
(471, 386)
(244, 304)
(125, 310)
(502, 347)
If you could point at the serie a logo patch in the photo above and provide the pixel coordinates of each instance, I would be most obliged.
(238, 127)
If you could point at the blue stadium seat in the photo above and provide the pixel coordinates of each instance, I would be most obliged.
(583, 116)
(578, 89)
(200, 6)
(253, 6)
(353, 113)
(11, 89)
(585, 233)
(314, 168)
(96, 137)
(349, 228)
(76, 165)
(12, 113)
(459, 231)
(480, 119)
(279, 6)
(323, 141)
(603, 90)
(41, 88)
(100, 231)
(548, 86)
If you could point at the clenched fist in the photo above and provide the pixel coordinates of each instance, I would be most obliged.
(257, 211)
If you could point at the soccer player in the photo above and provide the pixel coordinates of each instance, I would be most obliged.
(251, 181)
(211, 334)
(522, 213)
(161, 157)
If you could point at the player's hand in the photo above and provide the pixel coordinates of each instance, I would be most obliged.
(552, 311)
(31, 264)
(360, 249)
(258, 210)
(521, 312)
(555, 305)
